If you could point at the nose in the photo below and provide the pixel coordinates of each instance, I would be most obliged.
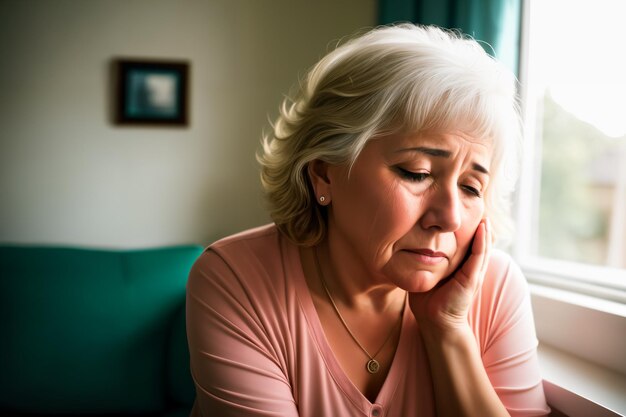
(442, 208)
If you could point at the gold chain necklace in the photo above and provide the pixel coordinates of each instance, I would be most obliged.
(372, 366)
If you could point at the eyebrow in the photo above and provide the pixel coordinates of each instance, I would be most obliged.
(442, 153)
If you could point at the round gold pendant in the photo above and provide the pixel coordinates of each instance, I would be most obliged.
(372, 366)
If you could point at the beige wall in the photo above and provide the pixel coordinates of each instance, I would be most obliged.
(68, 176)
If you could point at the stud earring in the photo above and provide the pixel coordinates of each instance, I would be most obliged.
(322, 199)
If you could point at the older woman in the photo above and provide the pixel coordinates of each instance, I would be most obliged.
(376, 291)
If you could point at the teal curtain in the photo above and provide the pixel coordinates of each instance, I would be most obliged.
(495, 22)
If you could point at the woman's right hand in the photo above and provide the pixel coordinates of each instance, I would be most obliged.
(445, 308)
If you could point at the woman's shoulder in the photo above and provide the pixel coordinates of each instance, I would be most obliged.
(250, 256)
(261, 242)
(268, 232)
(504, 282)
(498, 256)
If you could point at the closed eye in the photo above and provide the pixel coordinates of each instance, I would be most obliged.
(412, 176)
(472, 190)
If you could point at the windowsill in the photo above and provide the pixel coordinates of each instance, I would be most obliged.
(580, 388)
(582, 326)
(581, 351)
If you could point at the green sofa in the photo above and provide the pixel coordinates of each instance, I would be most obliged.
(94, 332)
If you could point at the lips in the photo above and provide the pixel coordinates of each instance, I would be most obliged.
(428, 256)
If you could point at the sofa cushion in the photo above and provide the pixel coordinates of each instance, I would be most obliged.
(85, 331)
(180, 384)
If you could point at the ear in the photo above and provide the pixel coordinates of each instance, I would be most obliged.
(318, 174)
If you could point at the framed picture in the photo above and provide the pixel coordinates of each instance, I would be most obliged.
(152, 92)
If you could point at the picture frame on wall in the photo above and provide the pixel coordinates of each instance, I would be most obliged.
(152, 92)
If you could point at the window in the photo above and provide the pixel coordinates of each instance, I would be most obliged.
(571, 205)
(573, 195)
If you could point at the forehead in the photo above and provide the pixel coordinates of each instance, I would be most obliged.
(451, 142)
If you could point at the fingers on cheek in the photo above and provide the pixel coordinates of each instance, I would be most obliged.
(480, 247)
(488, 239)
(480, 242)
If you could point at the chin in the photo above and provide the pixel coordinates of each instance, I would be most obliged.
(422, 281)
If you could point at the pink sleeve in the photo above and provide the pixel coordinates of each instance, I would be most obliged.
(506, 331)
(233, 364)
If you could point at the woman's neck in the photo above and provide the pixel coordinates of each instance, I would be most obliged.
(351, 283)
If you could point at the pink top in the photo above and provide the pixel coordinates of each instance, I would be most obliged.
(258, 348)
